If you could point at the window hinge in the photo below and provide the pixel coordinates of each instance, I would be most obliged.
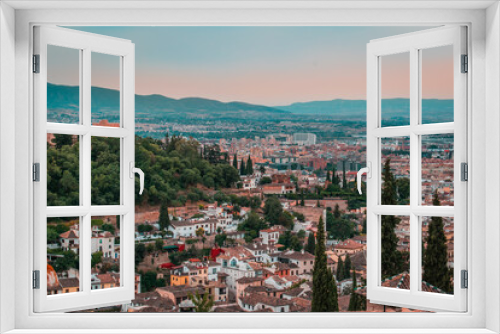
(36, 63)
(465, 64)
(464, 172)
(465, 279)
(36, 279)
(36, 172)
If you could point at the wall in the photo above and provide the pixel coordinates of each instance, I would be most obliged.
(7, 159)
(492, 147)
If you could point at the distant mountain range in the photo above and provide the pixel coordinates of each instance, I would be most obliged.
(434, 110)
(155, 107)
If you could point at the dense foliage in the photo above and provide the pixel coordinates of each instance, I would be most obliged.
(171, 169)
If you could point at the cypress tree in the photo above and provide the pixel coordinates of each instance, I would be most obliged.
(302, 202)
(311, 243)
(243, 169)
(392, 262)
(164, 220)
(347, 266)
(355, 300)
(318, 204)
(235, 161)
(344, 181)
(249, 166)
(332, 294)
(335, 179)
(340, 270)
(321, 292)
(328, 178)
(435, 263)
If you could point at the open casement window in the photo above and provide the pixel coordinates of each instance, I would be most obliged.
(92, 155)
(422, 140)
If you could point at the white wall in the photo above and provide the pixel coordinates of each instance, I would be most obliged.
(492, 147)
(7, 160)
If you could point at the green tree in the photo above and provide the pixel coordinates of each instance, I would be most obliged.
(148, 281)
(332, 293)
(159, 245)
(140, 253)
(347, 266)
(392, 261)
(262, 169)
(340, 270)
(109, 228)
(249, 166)
(62, 140)
(344, 181)
(285, 219)
(202, 303)
(220, 239)
(356, 301)
(403, 186)
(311, 243)
(273, 210)
(302, 201)
(322, 293)
(435, 263)
(266, 180)
(235, 161)
(243, 169)
(96, 259)
(164, 220)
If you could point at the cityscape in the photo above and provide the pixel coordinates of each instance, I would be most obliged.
(248, 207)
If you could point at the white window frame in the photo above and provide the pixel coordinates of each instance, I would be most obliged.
(413, 44)
(483, 20)
(85, 44)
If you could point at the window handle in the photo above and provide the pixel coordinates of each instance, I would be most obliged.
(362, 171)
(133, 171)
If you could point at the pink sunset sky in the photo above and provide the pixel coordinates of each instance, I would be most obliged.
(261, 65)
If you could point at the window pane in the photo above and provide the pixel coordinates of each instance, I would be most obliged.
(395, 160)
(395, 89)
(63, 84)
(63, 170)
(437, 254)
(395, 253)
(105, 90)
(63, 255)
(437, 169)
(105, 171)
(437, 84)
(105, 247)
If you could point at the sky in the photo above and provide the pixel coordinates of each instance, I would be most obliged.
(262, 65)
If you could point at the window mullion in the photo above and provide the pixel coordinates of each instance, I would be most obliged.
(86, 178)
(414, 167)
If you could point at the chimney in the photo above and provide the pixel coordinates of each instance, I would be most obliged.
(302, 251)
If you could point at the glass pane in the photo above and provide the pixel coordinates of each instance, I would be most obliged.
(395, 256)
(63, 255)
(437, 84)
(105, 90)
(395, 160)
(105, 171)
(105, 247)
(437, 254)
(395, 89)
(63, 170)
(63, 85)
(437, 169)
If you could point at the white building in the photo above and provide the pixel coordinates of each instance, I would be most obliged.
(304, 138)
